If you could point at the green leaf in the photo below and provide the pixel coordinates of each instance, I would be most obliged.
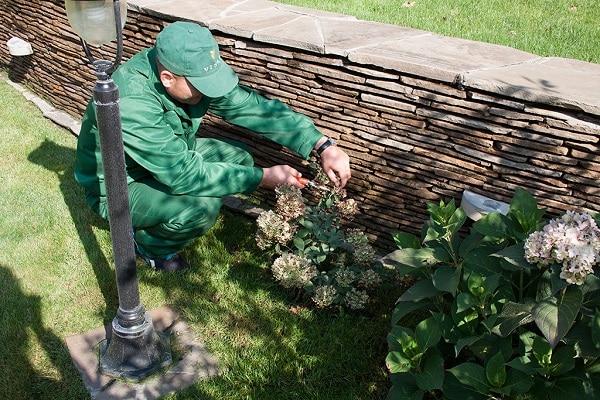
(523, 364)
(308, 224)
(591, 291)
(493, 224)
(404, 387)
(465, 342)
(542, 351)
(455, 390)
(447, 279)
(456, 221)
(405, 240)
(513, 258)
(397, 335)
(398, 362)
(514, 315)
(554, 317)
(413, 258)
(472, 375)
(432, 376)
(596, 329)
(299, 243)
(427, 333)
(469, 243)
(495, 370)
(450, 332)
(491, 283)
(517, 382)
(567, 388)
(404, 308)
(523, 208)
(420, 290)
(465, 301)
(563, 360)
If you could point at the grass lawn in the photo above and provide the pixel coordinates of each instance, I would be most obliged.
(549, 28)
(58, 280)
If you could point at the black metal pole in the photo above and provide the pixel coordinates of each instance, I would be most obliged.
(133, 350)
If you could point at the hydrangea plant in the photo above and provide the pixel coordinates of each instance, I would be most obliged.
(318, 254)
(508, 309)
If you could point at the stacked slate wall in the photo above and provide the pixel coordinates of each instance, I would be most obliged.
(411, 139)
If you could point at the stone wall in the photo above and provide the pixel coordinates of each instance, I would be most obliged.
(422, 116)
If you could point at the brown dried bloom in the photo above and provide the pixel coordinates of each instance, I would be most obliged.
(272, 228)
(344, 277)
(357, 299)
(370, 279)
(324, 296)
(290, 204)
(364, 255)
(293, 271)
(347, 208)
(356, 237)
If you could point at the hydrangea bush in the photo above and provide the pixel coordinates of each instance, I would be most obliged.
(317, 254)
(508, 309)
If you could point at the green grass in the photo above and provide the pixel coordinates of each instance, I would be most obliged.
(57, 279)
(549, 28)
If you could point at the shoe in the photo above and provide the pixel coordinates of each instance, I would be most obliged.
(172, 263)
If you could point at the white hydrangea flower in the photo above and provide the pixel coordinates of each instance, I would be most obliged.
(293, 271)
(572, 240)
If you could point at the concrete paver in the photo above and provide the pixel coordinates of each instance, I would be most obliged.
(195, 364)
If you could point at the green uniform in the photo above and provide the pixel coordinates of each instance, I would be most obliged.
(176, 179)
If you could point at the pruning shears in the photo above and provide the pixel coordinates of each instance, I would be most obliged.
(311, 184)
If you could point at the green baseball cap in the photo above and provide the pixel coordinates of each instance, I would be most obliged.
(188, 49)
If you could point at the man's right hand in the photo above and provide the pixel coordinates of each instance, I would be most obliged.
(278, 175)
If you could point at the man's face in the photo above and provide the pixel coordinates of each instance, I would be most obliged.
(180, 89)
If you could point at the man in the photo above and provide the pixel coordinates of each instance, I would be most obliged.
(175, 179)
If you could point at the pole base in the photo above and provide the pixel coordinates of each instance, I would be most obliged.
(134, 353)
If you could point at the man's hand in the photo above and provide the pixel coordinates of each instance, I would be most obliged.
(278, 175)
(336, 164)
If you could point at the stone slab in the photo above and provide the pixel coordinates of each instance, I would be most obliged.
(195, 363)
(343, 36)
(438, 57)
(555, 81)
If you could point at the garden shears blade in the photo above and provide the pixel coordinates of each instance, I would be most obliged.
(311, 184)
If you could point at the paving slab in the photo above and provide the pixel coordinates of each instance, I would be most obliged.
(439, 57)
(195, 363)
(556, 81)
(343, 36)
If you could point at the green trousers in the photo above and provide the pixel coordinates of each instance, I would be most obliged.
(165, 223)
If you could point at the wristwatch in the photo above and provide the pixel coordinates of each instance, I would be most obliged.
(325, 145)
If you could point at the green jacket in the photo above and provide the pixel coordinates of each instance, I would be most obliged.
(159, 135)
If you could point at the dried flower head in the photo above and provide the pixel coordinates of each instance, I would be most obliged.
(344, 277)
(347, 208)
(272, 228)
(290, 204)
(572, 240)
(293, 271)
(324, 296)
(356, 299)
(356, 237)
(364, 255)
(370, 279)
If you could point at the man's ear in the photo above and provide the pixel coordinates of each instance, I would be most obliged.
(167, 78)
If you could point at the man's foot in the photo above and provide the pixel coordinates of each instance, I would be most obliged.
(172, 263)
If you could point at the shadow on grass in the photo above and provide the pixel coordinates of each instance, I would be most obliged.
(61, 161)
(272, 347)
(21, 324)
